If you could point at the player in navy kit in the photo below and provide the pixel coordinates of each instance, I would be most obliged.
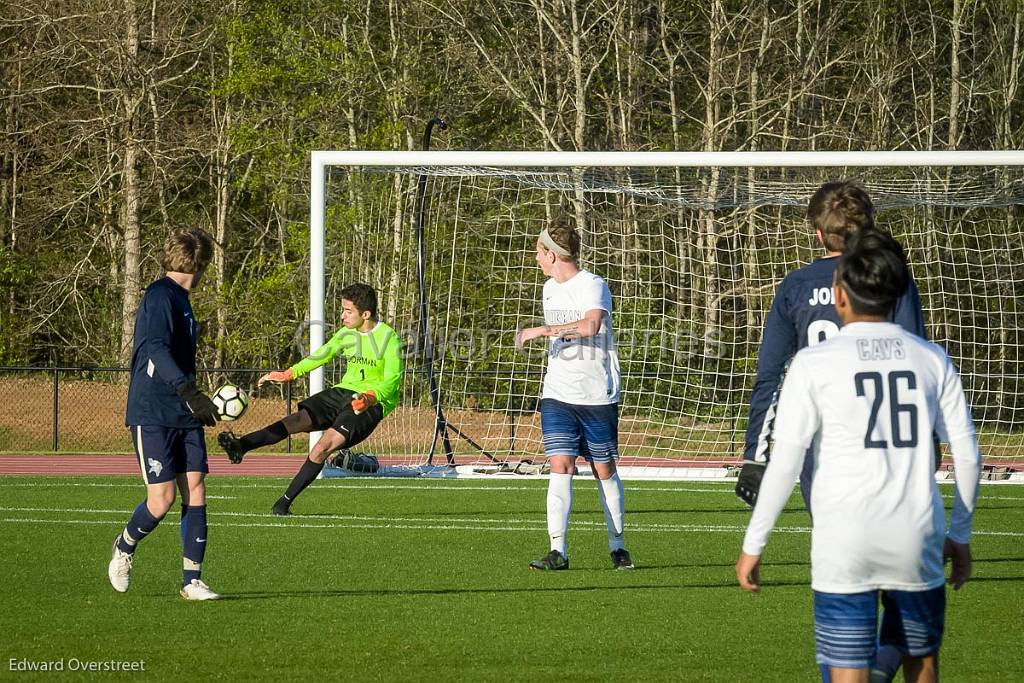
(166, 414)
(803, 314)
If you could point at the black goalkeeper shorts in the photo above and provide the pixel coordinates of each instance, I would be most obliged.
(332, 408)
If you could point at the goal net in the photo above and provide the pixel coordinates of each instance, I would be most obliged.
(692, 253)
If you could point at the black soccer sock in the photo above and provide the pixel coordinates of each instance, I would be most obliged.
(270, 434)
(305, 476)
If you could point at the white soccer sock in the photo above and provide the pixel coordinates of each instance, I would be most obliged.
(612, 501)
(559, 506)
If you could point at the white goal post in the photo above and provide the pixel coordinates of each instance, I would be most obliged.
(625, 173)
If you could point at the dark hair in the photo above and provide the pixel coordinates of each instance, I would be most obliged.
(565, 236)
(840, 209)
(873, 271)
(363, 296)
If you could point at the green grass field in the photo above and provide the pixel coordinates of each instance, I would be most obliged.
(426, 580)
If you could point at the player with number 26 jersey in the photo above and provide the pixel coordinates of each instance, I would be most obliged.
(866, 403)
(862, 408)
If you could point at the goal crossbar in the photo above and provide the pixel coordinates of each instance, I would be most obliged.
(509, 159)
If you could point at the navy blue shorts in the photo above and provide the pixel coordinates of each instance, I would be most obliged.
(576, 430)
(846, 625)
(164, 452)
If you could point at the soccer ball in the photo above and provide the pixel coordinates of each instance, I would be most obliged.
(231, 402)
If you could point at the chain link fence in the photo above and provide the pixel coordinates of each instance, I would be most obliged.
(81, 409)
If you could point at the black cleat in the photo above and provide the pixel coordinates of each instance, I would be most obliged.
(621, 559)
(282, 507)
(232, 445)
(553, 561)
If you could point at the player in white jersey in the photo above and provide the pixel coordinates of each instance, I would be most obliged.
(580, 401)
(866, 402)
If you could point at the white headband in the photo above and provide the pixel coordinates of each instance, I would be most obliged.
(550, 244)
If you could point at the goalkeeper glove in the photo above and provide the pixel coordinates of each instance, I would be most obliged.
(361, 402)
(749, 482)
(276, 376)
(199, 403)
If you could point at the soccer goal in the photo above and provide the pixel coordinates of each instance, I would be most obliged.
(693, 246)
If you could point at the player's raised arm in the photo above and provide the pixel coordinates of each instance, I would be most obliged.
(322, 355)
(276, 376)
(587, 326)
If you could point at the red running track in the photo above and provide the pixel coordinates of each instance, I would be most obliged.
(99, 465)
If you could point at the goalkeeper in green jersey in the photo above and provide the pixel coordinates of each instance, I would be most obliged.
(349, 411)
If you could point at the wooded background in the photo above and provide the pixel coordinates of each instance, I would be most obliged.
(124, 120)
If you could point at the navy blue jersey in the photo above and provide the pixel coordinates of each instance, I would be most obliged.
(803, 314)
(163, 357)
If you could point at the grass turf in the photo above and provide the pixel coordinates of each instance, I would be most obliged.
(427, 580)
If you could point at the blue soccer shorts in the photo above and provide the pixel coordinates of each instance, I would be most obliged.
(577, 430)
(164, 452)
(846, 629)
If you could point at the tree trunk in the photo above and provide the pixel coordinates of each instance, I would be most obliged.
(750, 275)
(221, 114)
(709, 236)
(131, 100)
(681, 230)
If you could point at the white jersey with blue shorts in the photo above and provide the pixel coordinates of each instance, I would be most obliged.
(579, 406)
(866, 402)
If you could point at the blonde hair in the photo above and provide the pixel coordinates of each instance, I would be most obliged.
(188, 251)
(565, 236)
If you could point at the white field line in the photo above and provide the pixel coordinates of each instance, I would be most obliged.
(216, 485)
(428, 523)
(386, 519)
(447, 527)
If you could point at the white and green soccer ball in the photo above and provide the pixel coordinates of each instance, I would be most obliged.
(231, 402)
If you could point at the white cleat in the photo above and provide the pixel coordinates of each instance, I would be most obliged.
(119, 571)
(197, 590)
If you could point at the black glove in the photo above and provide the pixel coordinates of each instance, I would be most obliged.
(749, 482)
(199, 403)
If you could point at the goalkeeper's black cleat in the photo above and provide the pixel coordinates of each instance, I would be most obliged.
(621, 559)
(282, 507)
(553, 561)
(749, 482)
(232, 445)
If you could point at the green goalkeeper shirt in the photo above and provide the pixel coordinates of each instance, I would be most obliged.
(374, 362)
